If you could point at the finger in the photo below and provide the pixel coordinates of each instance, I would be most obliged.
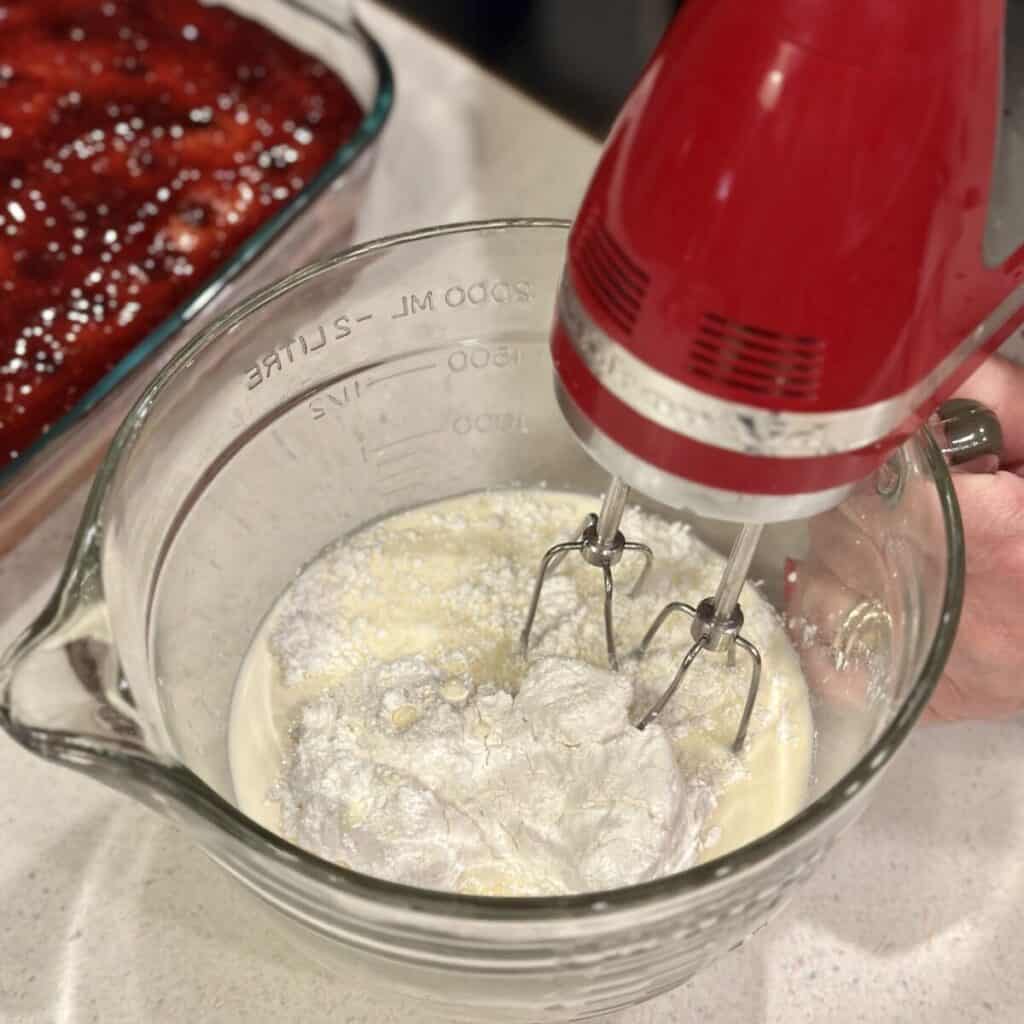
(949, 703)
(817, 603)
(955, 701)
(999, 384)
(984, 675)
(838, 686)
(843, 641)
(988, 648)
(849, 549)
(991, 505)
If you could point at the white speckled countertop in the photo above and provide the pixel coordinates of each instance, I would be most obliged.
(110, 915)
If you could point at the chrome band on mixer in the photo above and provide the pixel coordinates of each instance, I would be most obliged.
(749, 429)
(716, 502)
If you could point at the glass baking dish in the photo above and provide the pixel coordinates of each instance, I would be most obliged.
(320, 218)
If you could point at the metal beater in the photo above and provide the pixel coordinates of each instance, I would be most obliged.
(717, 621)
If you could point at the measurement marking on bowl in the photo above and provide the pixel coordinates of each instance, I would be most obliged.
(400, 373)
(229, 512)
(296, 349)
(333, 328)
(339, 397)
(392, 491)
(394, 457)
(490, 423)
(472, 358)
(399, 473)
(284, 446)
(400, 440)
(477, 293)
(465, 358)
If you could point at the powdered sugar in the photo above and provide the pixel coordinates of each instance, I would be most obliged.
(402, 774)
(393, 650)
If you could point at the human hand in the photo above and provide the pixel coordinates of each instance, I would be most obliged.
(846, 567)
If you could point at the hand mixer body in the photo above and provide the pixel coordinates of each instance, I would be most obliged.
(788, 252)
(800, 237)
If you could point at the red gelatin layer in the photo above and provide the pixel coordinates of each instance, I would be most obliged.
(140, 143)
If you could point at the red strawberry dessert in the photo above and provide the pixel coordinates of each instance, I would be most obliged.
(140, 143)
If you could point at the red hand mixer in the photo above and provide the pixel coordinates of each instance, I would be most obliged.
(805, 229)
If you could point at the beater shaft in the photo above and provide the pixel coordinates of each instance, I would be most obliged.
(734, 576)
(610, 516)
(601, 544)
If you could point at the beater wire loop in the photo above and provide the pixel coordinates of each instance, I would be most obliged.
(717, 621)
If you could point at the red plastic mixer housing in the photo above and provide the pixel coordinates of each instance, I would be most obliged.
(778, 268)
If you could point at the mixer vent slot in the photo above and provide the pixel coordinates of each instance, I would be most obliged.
(613, 282)
(755, 359)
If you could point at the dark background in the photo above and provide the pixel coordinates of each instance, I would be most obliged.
(578, 57)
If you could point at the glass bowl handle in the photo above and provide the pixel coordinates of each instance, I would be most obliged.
(62, 692)
(969, 434)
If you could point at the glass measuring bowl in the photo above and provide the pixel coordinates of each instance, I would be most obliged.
(273, 433)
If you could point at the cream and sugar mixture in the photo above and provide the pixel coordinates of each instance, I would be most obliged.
(384, 718)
